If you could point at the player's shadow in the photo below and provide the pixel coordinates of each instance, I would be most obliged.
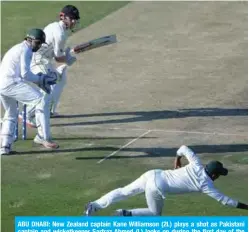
(171, 152)
(98, 138)
(139, 116)
(152, 152)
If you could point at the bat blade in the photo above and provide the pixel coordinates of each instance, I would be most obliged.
(95, 43)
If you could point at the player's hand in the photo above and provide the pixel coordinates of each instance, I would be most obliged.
(52, 75)
(69, 58)
(177, 163)
(45, 81)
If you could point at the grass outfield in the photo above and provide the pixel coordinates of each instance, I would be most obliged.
(18, 17)
(179, 106)
(37, 182)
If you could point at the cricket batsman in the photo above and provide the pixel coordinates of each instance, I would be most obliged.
(15, 86)
(54, 50)
(157, 184)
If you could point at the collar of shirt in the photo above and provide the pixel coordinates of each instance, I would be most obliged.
(208, 177)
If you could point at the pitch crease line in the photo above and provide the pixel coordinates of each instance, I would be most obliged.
(126, 145)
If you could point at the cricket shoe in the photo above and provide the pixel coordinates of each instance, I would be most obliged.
(123, 212)
(90, 208)
(46, 143)
(7, 151)
(29, 122)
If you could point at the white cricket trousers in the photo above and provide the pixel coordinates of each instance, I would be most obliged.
(151, 183)
(27, 94)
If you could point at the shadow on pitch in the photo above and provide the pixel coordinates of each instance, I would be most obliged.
(152, 152)
(141, 116)
(99, 138)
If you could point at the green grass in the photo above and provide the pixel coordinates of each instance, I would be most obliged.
(61, 183)
(18, 17)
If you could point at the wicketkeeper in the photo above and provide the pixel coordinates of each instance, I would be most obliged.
(157, 184)
(15, 86)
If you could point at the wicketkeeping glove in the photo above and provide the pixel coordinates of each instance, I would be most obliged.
(45, 81)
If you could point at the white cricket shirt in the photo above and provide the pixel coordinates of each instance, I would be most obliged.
(15, 65)
(193, 178)
(56, 36)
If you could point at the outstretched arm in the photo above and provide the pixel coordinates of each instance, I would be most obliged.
(225, 200)
(189, 155)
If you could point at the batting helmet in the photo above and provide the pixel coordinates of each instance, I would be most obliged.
(70, 11)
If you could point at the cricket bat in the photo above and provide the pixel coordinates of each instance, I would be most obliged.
(95, 43)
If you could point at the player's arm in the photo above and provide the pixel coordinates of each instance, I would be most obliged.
(225, 200)
(62, 56)
(188, 154)
(25, 61)
(42, 80)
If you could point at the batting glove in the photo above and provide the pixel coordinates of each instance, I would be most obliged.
(69, 58)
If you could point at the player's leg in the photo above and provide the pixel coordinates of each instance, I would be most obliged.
(154, 201)
(31, 96)
(31, 110)
(42, 115)
(20, 92)
(31, 120)
(40, 100)
(119, 194)
(8, 124)
(154, 194)
(58, 88)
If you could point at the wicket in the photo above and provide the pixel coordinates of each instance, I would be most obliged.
(24, 129)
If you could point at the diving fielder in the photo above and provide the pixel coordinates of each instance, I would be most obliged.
(156, 184)
(54, 50)
(15, 86)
